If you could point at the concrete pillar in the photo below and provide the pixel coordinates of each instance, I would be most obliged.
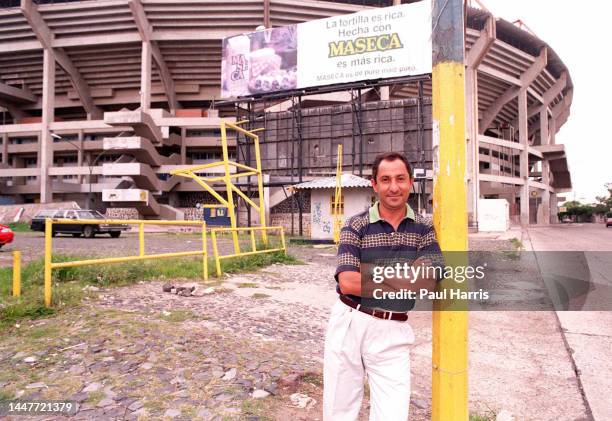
(45, 157)
(145, 77)
(173, 199)
(80, 153)
(554, 218)
(18, 162)
(266, 16)
(552, 131)
(545, 169)
(5, 141)
(471, 125)
(524, 161)
(90, 179)
(183, 146)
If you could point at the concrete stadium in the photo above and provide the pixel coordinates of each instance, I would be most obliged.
(101, 99)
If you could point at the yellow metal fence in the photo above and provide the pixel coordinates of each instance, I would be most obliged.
(216, 232)
(49, 265)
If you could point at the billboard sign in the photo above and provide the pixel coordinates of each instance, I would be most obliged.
(378, 43)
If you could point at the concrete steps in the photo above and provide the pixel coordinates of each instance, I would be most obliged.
(143, 175)
(142, 124)
(142, 149)
(139, 181)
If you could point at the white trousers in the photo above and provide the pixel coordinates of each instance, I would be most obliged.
(358, 344)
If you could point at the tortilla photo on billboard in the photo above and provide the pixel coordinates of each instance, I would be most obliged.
(273, 60)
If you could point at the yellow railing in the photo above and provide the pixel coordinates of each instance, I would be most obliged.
(49, 265)
(254, 250)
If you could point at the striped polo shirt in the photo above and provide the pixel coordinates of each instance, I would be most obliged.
(366, 238)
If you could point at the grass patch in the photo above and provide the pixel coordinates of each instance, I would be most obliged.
(179, 316)
(6, 395)
(256, 261)
(95, 397)
(313, 378)
(300, 241)
(248, 285)
(488, 416)
(19, 226)
(188, 412)
(256, 409)
(517, 244)
(42, 332)
(514, 254)
(68, 283)
(259, 296)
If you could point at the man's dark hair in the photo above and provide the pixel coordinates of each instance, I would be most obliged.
(389, 156)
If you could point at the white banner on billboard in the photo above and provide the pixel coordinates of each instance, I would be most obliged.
(378, 43)
(375, 44)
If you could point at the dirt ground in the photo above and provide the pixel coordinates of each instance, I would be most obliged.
(139, 353)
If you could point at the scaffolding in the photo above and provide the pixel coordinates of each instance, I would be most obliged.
(289, 151)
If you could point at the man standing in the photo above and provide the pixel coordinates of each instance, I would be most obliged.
(366, 336)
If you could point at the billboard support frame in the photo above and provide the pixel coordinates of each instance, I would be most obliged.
(324, 89)
(247, 108)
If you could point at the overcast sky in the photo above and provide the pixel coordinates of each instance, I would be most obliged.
(580, 33)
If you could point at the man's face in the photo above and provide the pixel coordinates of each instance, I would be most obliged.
(393, 184)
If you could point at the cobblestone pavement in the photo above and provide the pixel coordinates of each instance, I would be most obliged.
(245, 350)
(139, 352)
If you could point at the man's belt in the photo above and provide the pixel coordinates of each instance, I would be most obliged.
(388, 315)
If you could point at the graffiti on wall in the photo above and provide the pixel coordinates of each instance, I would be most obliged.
(317, 218)
(316, 213)
(326, 227)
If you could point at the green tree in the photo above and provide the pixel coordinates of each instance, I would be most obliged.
(604, 204)
(581, 212)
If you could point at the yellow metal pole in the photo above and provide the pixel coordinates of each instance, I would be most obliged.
(204, 253)
(247, 229)
(338, 195)
(216, 253)
(123, 221)
(16, 273)
(141, 239)
(250, 253)
(449, 327)
(282, 236)
(262, 208)
(245, 197)
(88, 262)
(228, 187)
(205, 186)
(253, 244)
(48, 257)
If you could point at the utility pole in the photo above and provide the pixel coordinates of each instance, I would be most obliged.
(450, 326)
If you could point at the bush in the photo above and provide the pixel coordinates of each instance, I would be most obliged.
(19, 226)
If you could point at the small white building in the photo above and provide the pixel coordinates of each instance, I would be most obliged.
(357, 194)
(493, 215)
